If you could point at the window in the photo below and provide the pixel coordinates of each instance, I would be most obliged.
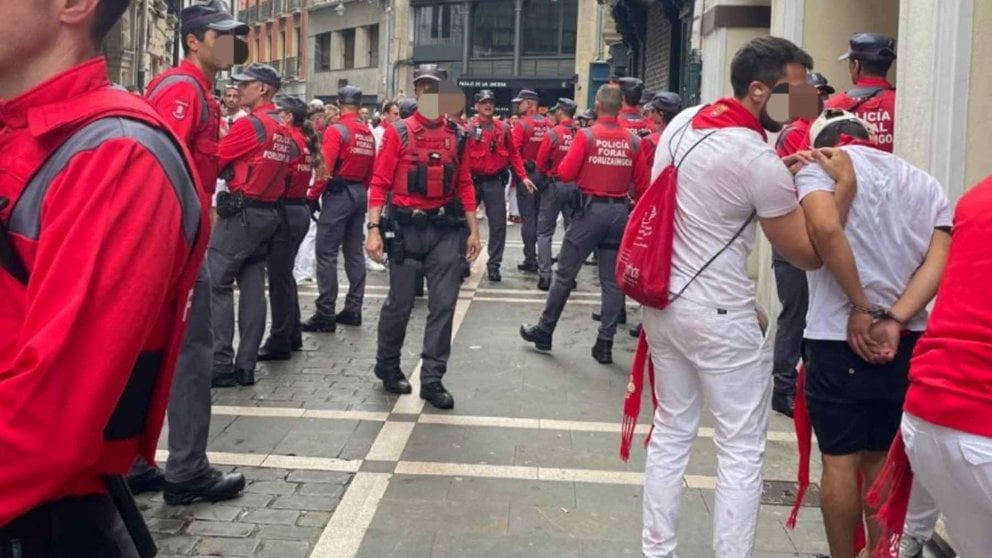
(258, 50)
(282, 44)
(438, 24)
(298, 44)
(492, 29)
(549, 28)
(348, 52)
(373, 46)
(322, 52)
(342, 83)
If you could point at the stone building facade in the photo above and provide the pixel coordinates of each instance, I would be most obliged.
(140, 46)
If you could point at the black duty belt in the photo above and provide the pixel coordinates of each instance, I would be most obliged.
(260, 204)
(294, 201)
(605, 199)
(490, 177)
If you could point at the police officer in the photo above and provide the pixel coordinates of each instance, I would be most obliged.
(492, 154)
(423, 167)
(556, 196)
(528, 133)
(794, 137)
(660, 110)
(181, 96)
(873, 97)
(349, 149)
(257, 153)
(93, 312)
(631, 115)
(604, 160)
(285, 335)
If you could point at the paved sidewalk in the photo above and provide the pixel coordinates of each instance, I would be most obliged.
(525, 466)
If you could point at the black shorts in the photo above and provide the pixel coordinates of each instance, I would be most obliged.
(853, 405)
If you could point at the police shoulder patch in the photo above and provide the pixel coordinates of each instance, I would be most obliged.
(180, 109)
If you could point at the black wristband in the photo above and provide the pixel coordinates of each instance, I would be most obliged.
(371, 226)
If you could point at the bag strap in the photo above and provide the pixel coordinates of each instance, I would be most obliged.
(737, 234)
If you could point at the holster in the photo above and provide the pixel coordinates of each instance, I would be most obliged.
(393, 241)
(229, 205)
(336, 186)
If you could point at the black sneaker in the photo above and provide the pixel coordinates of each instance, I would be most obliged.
(348, 318)
(223, 379)
(435, 394)
(785, 404)
(212, 487)
(544, 283)
(244, 377)
(494, 276)
(318, 324)
(151, 480)
(266, 354)
(539, 337)
(602, 351)
(530, 267)
(394, 381)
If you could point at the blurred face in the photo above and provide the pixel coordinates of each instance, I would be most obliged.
(393, 115)
(854, 68)
(232, 100)
(219, 50)
(654, 116)
(286, 117)
(364, 113)
(778, 97)
(525, 107)
(485, 108)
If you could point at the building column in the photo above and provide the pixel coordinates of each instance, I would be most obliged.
(518, 9)
(726, 26)
(337, 50)
(362, 57)
(466, 36)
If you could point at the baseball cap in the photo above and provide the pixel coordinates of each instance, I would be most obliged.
(407, 106)
(485, 95)
(429, 71)
(525, 95)
(666, 101)
(870, 46)
(291, 104)
(628, 83)
(349, 95)
(211, 14)
(818, 81)
(259, 72)
(832, 116)
(564, 103)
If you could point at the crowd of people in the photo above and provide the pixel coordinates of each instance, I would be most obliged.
(862, 241)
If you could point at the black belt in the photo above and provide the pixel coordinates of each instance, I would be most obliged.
(604, 199)
(489, 177)
(294, 201)
(261, 204)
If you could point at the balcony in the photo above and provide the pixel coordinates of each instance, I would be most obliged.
(278, 7)
(265, 10)
(249, 15)
(295, 5)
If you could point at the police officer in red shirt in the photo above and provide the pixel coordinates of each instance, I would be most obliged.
(424, 167)
(631, 116)
(257, 153)
(794, 137)
(660, 110)
(102, 230)
(349, 149)
(873, 97)
(528, 133)
(604, 160)
(556, 196)
(182, 97)
(285, 335)
(492, 154)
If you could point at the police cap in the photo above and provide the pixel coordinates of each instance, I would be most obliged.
(526, 95)
(407, 106)
(210, 14)
(293, 105)
(666, 102)
(870, 46)
(589, 114)
(485, 95)
(630, 84)
(350, 95)
(432, 72)
(566, 104)
(259, 72)
(818, 81)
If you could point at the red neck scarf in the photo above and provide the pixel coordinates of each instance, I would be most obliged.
(850, 140)
(726, 113)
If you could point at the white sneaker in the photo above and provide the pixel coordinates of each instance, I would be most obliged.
(373, 265)
(911, 547)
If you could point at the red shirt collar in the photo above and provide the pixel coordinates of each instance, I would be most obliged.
(427, 121)
(191, 69)
(872, 81)
(60, 89)
(565, 122)
(607, 120)
(631, 110)
(267, 107)
(349, 116)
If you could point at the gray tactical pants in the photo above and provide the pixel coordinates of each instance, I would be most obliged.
(793, 292)
(493, 194)
(341, 227)
(530, 206)
(237, 252)
(598, 225)
(189, 398)
(554, 200)
(283, 296)
(434, 250)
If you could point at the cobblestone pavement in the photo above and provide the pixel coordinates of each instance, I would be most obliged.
(525, 466)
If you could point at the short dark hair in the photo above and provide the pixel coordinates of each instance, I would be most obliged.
(875, 68)
(632, 96)
(764, 59)
(830, 135)
(200, 34)
(569, 111)
(388, 106)
(108, 12)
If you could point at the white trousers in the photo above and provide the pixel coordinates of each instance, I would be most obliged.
(956, 469)
(306, 258)
(922, 514)
(700, 352)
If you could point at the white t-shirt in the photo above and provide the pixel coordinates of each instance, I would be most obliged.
(728, 176)
(890, 225)
(377, 134)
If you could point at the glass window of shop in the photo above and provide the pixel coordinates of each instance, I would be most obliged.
(438, 25)
(492, 29)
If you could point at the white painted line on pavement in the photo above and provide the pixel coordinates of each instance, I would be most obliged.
(389, 444)
(279, 412)
(700, 481)
(311, 463)
(344, 533)
(345, 415)
(590, 476)
(541, 294)
(534, 301)
(467, 470)
(497, 422)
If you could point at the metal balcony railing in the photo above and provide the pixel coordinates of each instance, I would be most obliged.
(265, 10)
(295, 5)
(278, 7)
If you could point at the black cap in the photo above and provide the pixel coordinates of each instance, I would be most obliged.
(485, 95)
(589, 114)
(666, 102)
(259, 72)
(407, 106)
(630, 83)
(349, 95)
(296, 106)
(646, 96)
(210, 14)
(565, 104)
(870, 46)
(526, 95)
(818, 81)
(429, 71)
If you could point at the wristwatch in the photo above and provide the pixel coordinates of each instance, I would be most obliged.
(370, 225)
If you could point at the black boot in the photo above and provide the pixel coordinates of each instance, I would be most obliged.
(318, 324)
(602, 351)
(539, 337)
(297, 343)
(530, 267)
(435, 394)
(394, 381)
(266, 353)
(151, 480)
(212, 487)
(635, 331)
(544, 283)
(494, 275)
(222, 379)
(244, 377)
(785, 404)
(348, 318)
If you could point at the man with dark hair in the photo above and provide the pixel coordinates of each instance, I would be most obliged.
(708, 342)
(883, 260)
(873, 97)
(631, 116)
(528, 133)
(93, 311)
(181, 97)
(390, 114)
